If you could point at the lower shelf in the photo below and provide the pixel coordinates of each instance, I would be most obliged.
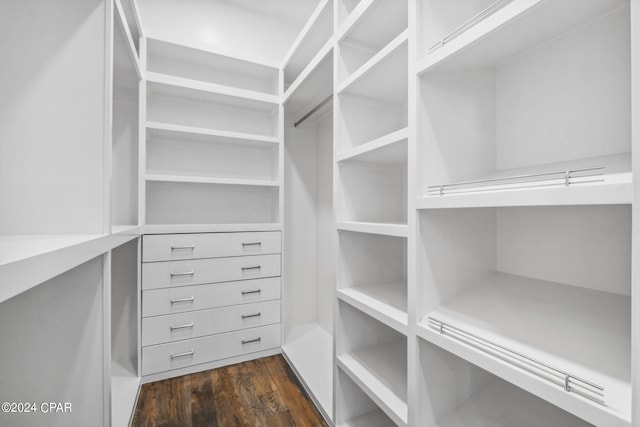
(582, 332)
(385, 383)
(386, 302)
(371, 419)
(309, 348)
(125, 385)
(501, 404)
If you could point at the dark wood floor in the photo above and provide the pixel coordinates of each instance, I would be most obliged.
(262, 392)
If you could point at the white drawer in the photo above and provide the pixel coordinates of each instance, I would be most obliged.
(199, 271)
(179, 299)
(169, 247)
(193, 324)
(164, 357)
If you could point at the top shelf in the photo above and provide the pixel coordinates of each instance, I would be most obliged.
(516, 27)
(315, 34)
(221, 68)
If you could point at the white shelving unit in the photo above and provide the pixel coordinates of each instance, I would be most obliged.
(532, 225)
(308, 264)
(212, 129)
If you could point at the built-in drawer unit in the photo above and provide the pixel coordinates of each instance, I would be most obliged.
(156, 302)
(170, 247)
(208, 297)
(199, 271)
(193, 324)
(180, 354)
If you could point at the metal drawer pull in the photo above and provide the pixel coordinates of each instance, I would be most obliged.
(184, 273)
(186, 353)
(178, 248)
(255, 267)
(255, 291)
(248, 316)
(190, 299)
(252, 244)
(250, 341)
(185, 326)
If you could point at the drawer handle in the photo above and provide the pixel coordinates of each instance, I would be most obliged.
(183, 248)
(190, 299)
(255, 291)
(185, 326)
(252, 244)
(255, 267)
(250, 341)
(184, 273)
(186, 353)
(248, 316)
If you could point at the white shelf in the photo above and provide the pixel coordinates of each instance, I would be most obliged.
(371, 419)
(125, 385)
(515, 28)
(383, 77)
(388, 149)
(373, 23)
(580, 331)
(316, 33)
(166, 85)
(314, 83)
(223, 68)
(615, 187)
(208, 228)
(211, 180)
(378, 60)
(168, 129)
(309, 348)
(222, 53)
(381, 373)
(386, 302)
(385, 229)
(129, 229)
(502, 404)
(29, 260)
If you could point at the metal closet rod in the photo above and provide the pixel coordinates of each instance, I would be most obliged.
(327, 100)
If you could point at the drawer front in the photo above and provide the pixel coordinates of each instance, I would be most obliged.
(199, 271)
(194, 324)
(164, 357)
(157, 302)
(169, 247)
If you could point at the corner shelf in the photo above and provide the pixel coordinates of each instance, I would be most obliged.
(317, 32)
(390, 148)
(381, 228)
(168, 129)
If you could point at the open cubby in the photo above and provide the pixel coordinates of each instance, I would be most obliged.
(454, 393)
(309, 42)
(526, 112)
(193, 154)
(355, 408)
(203, 203)
(372, 275)
(373, 192)
(124, 158)
(374, 356)
(196, 64)
(168, 103)
(550, 283)
(381, 23)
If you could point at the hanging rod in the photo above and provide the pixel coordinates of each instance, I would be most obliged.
(560, 177)
(570, 383)
(313, 110)
(490, 10)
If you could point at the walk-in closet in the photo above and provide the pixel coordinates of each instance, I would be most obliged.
(352, 213)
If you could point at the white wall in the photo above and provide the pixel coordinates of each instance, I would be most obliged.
(218, 24)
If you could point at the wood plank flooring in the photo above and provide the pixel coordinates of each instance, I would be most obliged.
(261, 392)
